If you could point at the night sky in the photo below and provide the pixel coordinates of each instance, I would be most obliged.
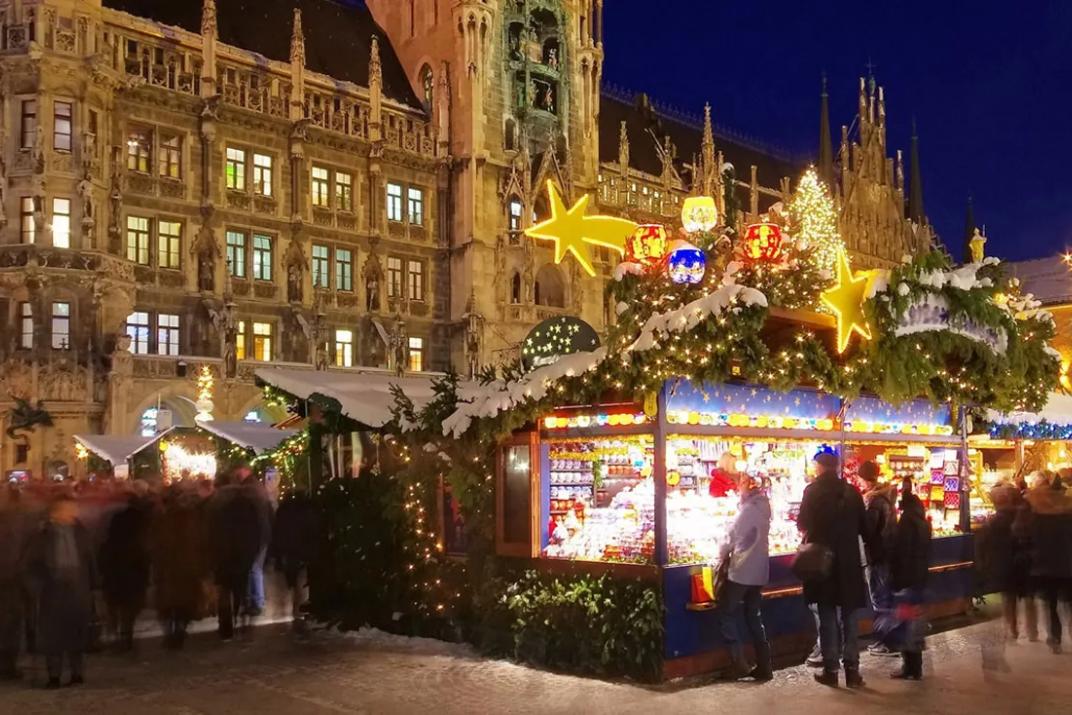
(990, 85)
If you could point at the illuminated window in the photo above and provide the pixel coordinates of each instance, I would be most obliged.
(236, 253)
(262, 174)
(61, 326)
(61, 223)
(26, 326)
(344, 348)
(321, 266)
(147, 423)
(62, 114)
(262, 257)
(344, 269)
(416, 354)
(394, 277)
(236, 169)
(138, 331)
(394, 202)
(170, 156)
(167, 334)
(320, 187)
(252, 416)
(28, 127)
(344, 191)
(27, 224)
(240, 341)
(169, 244)
(515, 216)
(416, 207)
(138, 239)
(139, 143)
(415, 280)
(262, 342)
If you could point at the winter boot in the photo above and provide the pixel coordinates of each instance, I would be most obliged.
(853, 679)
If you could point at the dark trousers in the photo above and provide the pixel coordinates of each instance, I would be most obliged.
(734, 598)
(1053, 591)
(839, 637)
(175, 621)
(124, 615)
(230, 598)
(54, 663)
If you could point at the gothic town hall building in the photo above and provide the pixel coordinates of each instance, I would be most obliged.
(337, 188)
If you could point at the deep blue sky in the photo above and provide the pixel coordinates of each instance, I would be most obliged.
(990, 85)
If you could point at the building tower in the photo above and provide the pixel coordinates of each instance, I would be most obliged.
(514, 87)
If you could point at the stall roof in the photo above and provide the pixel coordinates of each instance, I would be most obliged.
(117, 449)
(256, 436)
(1058, 411)
(364, 397)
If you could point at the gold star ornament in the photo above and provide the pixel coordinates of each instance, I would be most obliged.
(574, 232)
(846, 299)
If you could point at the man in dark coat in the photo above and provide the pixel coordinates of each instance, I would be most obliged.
(1051, 556)
(235, 538)
(296, 539)
(1005, 562)
(832, 514)
(63, 576)
(179, 559)
(125, 563)
(881, 522)
(909, 564)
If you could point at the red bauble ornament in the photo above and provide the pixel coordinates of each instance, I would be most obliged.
(647, 246)
(762, 242)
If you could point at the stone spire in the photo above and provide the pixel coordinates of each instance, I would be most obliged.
(375, 74)
(707, 155)
(209, 35)
(826, 148)
(969, 229)
(297, 69)
(623, 150)
(915, 181)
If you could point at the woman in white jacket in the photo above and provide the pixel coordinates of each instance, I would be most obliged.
(749, 571)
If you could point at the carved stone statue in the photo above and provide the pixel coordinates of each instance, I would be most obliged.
(372, 292)
(206, 271)
(294, 283)
(552, 58)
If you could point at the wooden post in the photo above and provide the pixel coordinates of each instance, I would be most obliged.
(659, 475)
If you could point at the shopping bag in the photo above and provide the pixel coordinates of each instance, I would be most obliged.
(813, 562)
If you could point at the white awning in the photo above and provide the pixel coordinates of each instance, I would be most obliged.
(256, 436)
(1058, 411)
(117, 449)
(364, 397)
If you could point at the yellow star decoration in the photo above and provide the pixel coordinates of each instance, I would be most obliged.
(573, 232)
(846, 299)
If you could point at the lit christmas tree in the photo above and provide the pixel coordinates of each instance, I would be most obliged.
(814, 221)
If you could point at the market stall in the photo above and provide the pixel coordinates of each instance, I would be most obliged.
(117, 451)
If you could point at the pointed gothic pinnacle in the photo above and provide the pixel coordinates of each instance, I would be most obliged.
(208, 18)
(297, 41)
(375, 66)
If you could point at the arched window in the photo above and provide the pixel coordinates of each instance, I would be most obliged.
(550, 290)
(513, 219)
(515, 288)
(427, 78)
(510, 134)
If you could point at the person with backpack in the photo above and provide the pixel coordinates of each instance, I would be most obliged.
(832, 520)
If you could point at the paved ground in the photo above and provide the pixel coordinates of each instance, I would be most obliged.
(372, 672)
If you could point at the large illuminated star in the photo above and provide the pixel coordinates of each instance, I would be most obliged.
(846, 299)
(573, 232)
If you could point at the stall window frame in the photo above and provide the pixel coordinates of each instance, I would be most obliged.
(529, 549)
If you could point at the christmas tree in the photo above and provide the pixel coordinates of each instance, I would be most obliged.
(813, 222)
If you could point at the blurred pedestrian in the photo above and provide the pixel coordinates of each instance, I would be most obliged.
(62, 570)
(749, 570)
(125, 562)
(1051, 557)
(879, 502)
(295, 541)
(254, 490)
(909, 566)
(13, 540)
(234, 541)
(832, 517)
(179, 545)
(1005, 562)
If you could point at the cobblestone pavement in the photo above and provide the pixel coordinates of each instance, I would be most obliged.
(372, 672)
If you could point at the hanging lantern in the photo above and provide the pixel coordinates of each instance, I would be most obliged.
(647, 246)
(762, 242)
(686, 264)
(698, 213)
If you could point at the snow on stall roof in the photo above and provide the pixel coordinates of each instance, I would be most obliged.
(1058, 411)
(365, 397)
(117, 448)
(1049, 279)
(692, 314)
(256, 436)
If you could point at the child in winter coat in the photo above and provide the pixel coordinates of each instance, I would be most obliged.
(908, 573)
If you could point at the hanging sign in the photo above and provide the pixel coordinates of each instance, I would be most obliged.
(932, 313)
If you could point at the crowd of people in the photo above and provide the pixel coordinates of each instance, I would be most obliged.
(857, 550)
(190, 550)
